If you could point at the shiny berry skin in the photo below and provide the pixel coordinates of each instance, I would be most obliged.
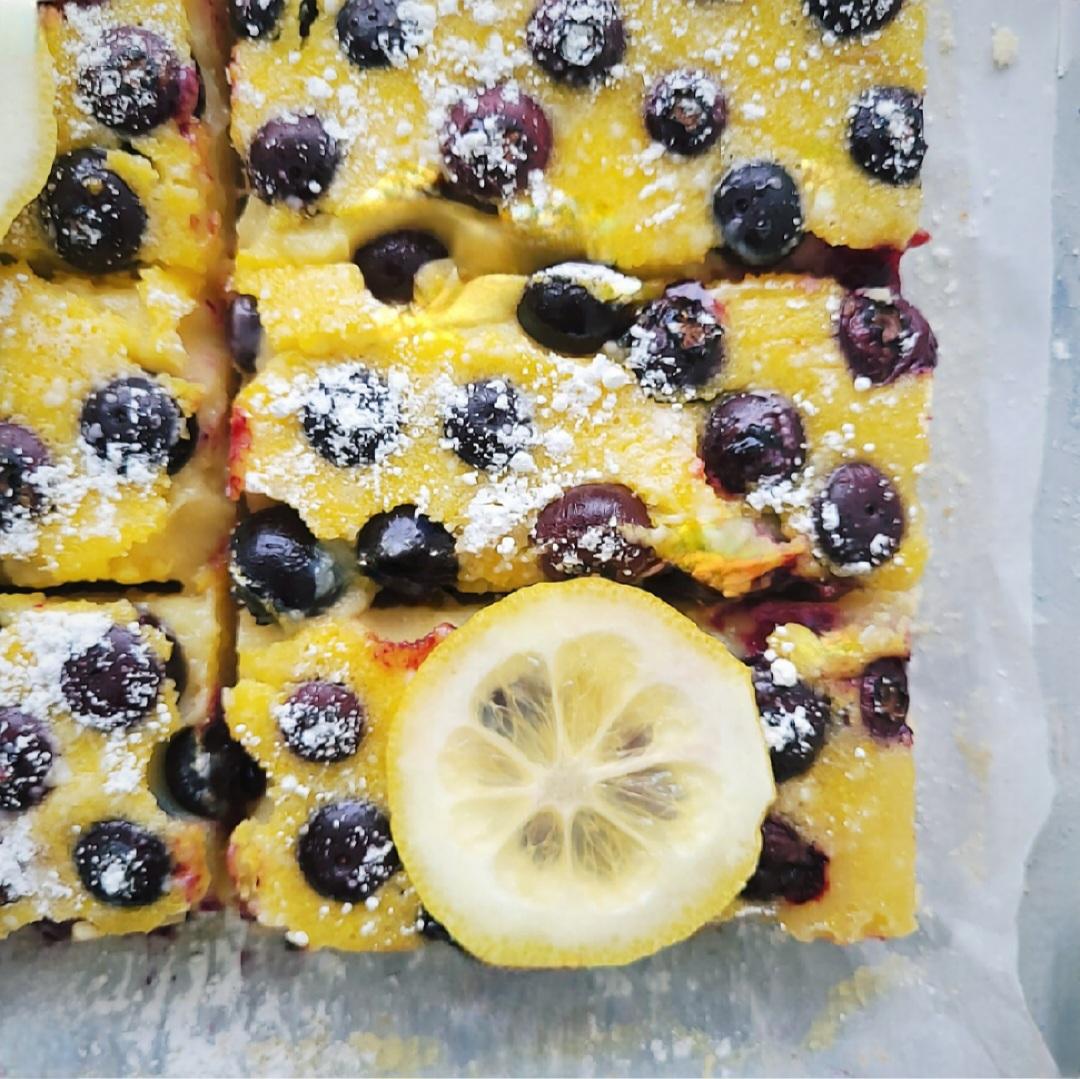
(685, 111)
(345, 851)
(350, 416)
(133, 83)
(26, 758)
(883, 340)
(391, 262)
(794, 719)
(135, 420)
(279, 569)
(373, 33)
(886, 135)
(322, 722)
(487, 422)
(243, 331)
(22, 453)
(846, 18)
(789, 867)
(407, 553)
(884, 700)
(116, 682)
(751, 438)
(92, 218)
(759, 210)
(676, 346)
(210, 776)
(122, 864)
(492, 141)
(560, 309)
(254, 18)
(859, 517)
(583, 534)
(293, 160)
(176, 668)
(576, 41)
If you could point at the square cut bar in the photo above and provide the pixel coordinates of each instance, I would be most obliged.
(537, 112)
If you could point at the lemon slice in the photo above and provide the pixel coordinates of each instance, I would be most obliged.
(578, 777)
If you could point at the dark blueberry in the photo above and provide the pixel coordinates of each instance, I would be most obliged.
(93, 220)
(561, 310)
(322, 722)
(132, 81)
(308, 12)
(685, 111)
(176, 668)
(243, 331)
(886, 137)
(433, 930)
(488, 422)
(345, 851)
(576, 41)
(350, 416)
(884, 699)
(859, 517)
(750, 438)
(211, 776)
(292, 159)
(391, 262)
(676, 346)
(374, 33)
(883, 339)
(793, 717)
(22, 453)
(122, 864)
(279, 569)
(136, 420)
(116, 682)
(759, 210)
(26, 758)
(789, 868)
(407, 553)
(584, 533)
(492, 142)
(254, 18)
(845, 18)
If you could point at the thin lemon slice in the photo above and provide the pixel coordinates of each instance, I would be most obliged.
(578, 777)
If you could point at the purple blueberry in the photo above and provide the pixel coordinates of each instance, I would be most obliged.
(254, 18)
(26, 758)
(794, 718)
(292, 159)
(22, 454)
(243, 331)
(322, 722)
(884, 700)
(176, 668)
(345, 851)
(685, 111)
(210, 776)
(391, 262)
(577, 41)
(886, 137)
(790, 868)
(859, 517)
(122, 864)
(759, 210)
(846, 18)
(350, 416)
(376, 33)
(487, 422)
(407, 553)
(883, 339)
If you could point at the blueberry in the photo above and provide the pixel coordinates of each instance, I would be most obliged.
(322, 722)
(883, 339)
(845, 18)
(375, 33)
(92, 218)
(391, 262)
(859, 517)
(487, 422)
(135, 420)
(432, 929)
(884, 700)
(685, 111)
(210, 776)
(279, 569)
(292, 159)
(676, 346)
(254, 18)
(176, 668)
(789, 868)
(26, 758)
(307, 12)
(584, 533)
(122, 864)
(407, 553)
(345, 851)
(794, 719)
(350, 416)
(886, 137)
(243, 331)
(759, 210)
(564, 308)
(752, 438)
(22, 454)
(576, 41)
(491, 143)
(132, 82)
